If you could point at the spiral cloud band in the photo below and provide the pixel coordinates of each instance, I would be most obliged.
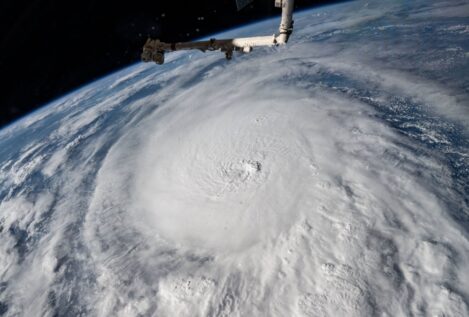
(283, 191)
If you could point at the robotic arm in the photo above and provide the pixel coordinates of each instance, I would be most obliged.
(154, 50)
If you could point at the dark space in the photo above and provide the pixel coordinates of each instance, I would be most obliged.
(51, 47)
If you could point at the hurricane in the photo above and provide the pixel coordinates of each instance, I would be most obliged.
(327, 177)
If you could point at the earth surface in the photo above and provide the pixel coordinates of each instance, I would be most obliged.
(328, 177)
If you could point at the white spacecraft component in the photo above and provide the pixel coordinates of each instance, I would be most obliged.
(154, 49)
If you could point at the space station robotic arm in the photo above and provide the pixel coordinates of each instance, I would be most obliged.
(154, 50)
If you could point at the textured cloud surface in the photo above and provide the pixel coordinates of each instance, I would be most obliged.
(324, 178)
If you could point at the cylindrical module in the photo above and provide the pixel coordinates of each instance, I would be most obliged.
(286, 24)
(253, 41)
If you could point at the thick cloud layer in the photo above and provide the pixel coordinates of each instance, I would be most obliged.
(325, 178)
